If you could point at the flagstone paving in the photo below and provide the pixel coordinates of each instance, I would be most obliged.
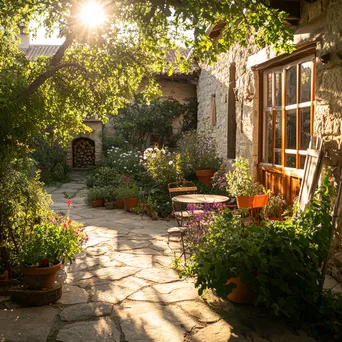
(122, 288)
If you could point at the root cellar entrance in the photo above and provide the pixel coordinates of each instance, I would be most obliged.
(83, 150)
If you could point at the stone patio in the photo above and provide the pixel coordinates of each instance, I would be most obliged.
(122, 288)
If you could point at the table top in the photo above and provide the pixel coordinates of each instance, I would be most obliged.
(200, 198)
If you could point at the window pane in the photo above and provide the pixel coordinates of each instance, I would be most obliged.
(278, 129)
(304, 128)
(269, 91)
(291, 85)
(269, 137)
(305, 82)
(302, 162)
(290, 160)
(277, 158)
(291, 129)
(278, 89)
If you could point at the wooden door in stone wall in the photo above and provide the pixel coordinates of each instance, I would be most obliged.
(83, 150)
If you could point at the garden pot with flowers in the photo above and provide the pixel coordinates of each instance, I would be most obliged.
(275, 207)
(198, 153)
(50, 244)
(130, 193)
(95, 197)
(240, 185)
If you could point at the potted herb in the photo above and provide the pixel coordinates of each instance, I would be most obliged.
(275, 207)
(95, 197)
(240, 185)
(198, 153)
(109, 197)
(130, 193)
(50, 244)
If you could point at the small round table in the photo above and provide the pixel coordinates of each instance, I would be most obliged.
(200, 199)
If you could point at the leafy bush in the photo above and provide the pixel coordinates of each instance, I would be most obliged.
(162, 166)
(123, 162)
(239, 180)
(23, 203)
(162, 202)
(51, 159)
(281, 260)
(137, 121)
(94, 194)
(128, 189)
(50, 242)
(198, 151)
(102, 176)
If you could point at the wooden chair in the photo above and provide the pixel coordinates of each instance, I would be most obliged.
(180, 210)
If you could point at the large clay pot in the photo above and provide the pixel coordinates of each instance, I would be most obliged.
(241, 293)
(257, 201)
(131, 203)
(244, 201)
(260, 201)
(41, 277)
(120, 204)
(205, 176)
(98, 203)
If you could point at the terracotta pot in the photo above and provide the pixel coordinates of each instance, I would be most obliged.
(131, 203)
(4, 276)
(252, 201)
(274, 218)
(120, 204)
(41, 277)
(98, 203)
(260, 201)
(205, 176)
(110, 205)
(155, 139)
(244, 201)
(241, 293)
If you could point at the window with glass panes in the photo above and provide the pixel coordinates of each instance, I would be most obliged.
(288, 110)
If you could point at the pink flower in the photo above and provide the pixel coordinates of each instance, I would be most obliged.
(69, 202)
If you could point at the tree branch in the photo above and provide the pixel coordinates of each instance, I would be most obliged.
(47, 74)
(55, 60)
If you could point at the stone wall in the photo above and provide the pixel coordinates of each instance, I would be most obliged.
(95, 135)
(214, 80)
(321, 22)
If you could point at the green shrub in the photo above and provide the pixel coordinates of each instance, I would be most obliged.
(281, 260)
(102, 176)
(23, 203)
(94, 194)
(198, 151)
(162, 166)
(51, 159)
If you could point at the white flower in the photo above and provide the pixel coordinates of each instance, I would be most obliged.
(153, 155)
(163, 151)
(170, 162)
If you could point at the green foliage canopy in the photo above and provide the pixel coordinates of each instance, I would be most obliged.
(98, 71)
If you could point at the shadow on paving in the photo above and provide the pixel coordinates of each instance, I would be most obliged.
(122, 288)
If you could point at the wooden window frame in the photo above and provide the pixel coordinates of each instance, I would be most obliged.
(264, 109)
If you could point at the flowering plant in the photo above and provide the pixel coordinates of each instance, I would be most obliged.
(50, 242)
(198, 151)
(275, 206)
(161, 165)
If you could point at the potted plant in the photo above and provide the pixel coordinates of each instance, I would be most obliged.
(240, 185)
(198, 153)
(50, 244)
(109, 198)
(275, 207)
(130, 193)
(95, 197)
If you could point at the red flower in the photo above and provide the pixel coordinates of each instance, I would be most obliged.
(125, 178)
(65, 226)
(69, 202)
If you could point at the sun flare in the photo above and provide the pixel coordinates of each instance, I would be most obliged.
(93, 14)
